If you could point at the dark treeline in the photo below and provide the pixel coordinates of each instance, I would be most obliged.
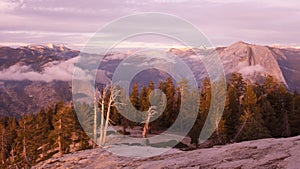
(252, 111)
(37, 137)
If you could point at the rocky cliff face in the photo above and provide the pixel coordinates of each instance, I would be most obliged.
(252, 61)
(265, 153)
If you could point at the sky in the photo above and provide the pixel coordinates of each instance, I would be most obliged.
(224, 22)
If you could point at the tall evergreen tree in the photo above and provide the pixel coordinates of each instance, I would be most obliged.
(235, 93)
(144, 99)
(281, 101)
(122, 110)
(25, 145)
(252, 125)
(135, 102)
(170, 112)
(4, 141)
(272, 106)
(239, 86)
(295, 115)
(11, 130)
(41, 132)
(64, 125)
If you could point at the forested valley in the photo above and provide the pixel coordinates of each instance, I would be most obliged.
(252, 111)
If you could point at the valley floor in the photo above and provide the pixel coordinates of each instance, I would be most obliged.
(264, 153)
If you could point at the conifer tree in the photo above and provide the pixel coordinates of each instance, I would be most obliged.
(205, 98)
(295, 115)
(219, 121)
(238, 85)
(252, 125)
(134, 99)
(182, 103)
(82, 138)
(85, 118)
(269, 116)
(281, 101)
(4, 141)
(270, 94)
(25, 145)
(205, 101)
(171, 115)
(144, 99)
(11, 129)
(64, 125)
(150, 87)
(286, 110)
(235, 92)
(41, 132)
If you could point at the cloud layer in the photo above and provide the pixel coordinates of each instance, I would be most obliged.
(62, 71)
(224, 22)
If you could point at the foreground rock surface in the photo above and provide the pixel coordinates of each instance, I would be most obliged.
(265, 153)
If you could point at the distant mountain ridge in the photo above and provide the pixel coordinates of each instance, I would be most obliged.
(35, 76)
(255, 62)
(35, 56)
(281, 63)
(20, 94)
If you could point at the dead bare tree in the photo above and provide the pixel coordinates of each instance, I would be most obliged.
(114, 93)
(150, 113)
(99, 98)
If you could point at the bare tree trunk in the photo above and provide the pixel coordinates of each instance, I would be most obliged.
(101, 122)
(151, 111)
(107, 117)
(218, 133)
(24, 153)
(111, 102)
(243, 125)
(146, 126)
(59, 140)
(95, 121)
(102, 115)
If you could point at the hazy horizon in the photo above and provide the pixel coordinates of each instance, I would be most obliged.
(223, 22)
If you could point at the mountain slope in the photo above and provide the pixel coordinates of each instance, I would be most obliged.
(34, 76)
(265, 153)
(36, 57)
(290, 66)
(19, 97)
